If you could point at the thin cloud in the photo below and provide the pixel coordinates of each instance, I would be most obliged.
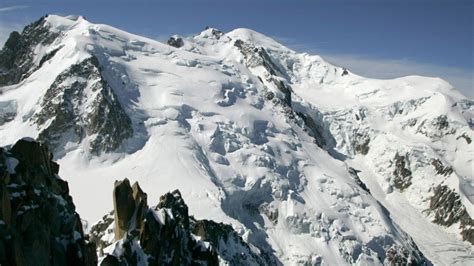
(12, 8)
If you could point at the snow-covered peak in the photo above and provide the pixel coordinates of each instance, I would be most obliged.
(210, 32)
(294, 152)
(256, 38)
(65, 23)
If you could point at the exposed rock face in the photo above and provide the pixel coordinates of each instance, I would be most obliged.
(400, 257)
(102, 228)
(38, 222)
(124, 206)
(226, 241)
(129, 205)
(402, 174)
(7, 111)
(175, 41)
(168, 240)
(80, 103)
(465, 137)
(314, 130)
(440, 168)
(214, 33)
(269, 210)
(258, 56)
(165, 234)
(344, 72)
(354, 173)
(436, 128)
(17, 58)
(448, 210)
(361, 143)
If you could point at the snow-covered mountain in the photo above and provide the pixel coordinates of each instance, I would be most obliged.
(309, 162)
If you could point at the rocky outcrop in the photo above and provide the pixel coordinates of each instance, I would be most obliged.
(175, 41)
(344, 72)
(465, 137)
(165, 234)
(314, 130)
(440, 168)
(168, 239)
(361, 143)
(8, 111)
(81, 104)
(17, 58)
(214, 33)
(354, 173)
(227, 243)
(38, 221)
(402, 256)
(402, 174)
(436, 128)
(130, 204)
(258, 56)
(99, 232)
(448, 209)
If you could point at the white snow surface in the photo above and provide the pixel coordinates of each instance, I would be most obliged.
(211, 133)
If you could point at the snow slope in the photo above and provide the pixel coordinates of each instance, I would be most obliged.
(228, 123)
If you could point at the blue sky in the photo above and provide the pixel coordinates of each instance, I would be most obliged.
(383, 39)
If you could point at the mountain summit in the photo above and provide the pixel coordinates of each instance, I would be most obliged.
(308, 162)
